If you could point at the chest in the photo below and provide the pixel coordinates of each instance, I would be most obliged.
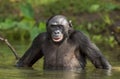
(59, 51)
(60, 56)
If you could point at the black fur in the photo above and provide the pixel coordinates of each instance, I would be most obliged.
(70, 54)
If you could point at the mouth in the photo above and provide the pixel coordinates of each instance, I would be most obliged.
(57, 39)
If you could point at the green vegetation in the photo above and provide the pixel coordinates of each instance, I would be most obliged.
(24, 19)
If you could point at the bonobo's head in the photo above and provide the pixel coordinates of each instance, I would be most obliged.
(58, 28)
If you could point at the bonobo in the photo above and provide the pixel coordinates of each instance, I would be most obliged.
(63, 48)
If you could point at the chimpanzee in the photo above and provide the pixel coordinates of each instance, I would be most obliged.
(63, 48)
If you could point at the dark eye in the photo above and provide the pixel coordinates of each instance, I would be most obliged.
(53, 26)
(61, 26)
(57, 26)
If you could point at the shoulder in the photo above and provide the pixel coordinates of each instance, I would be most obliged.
(78, 34)
(40, 37)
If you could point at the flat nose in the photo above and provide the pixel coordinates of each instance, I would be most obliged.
(57, 32)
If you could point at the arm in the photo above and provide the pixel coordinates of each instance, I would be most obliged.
(33, 53)
(92, 52)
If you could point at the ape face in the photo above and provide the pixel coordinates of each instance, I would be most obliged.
(57, 33)
(58, 28)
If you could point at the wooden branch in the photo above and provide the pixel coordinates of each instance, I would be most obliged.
(10, 46)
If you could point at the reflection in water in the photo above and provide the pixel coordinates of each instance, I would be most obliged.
(64, 75)
(99, 74)
(25, 73)
(31, 73)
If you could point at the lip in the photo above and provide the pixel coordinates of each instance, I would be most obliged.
(56, 38)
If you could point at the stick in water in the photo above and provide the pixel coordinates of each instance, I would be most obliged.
(10, 46)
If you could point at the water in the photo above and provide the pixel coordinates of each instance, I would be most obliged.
(9, 71)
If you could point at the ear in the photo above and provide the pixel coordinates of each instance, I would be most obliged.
(70, 29)
(70, 23)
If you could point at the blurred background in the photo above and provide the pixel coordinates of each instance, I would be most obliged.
(22, 20)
